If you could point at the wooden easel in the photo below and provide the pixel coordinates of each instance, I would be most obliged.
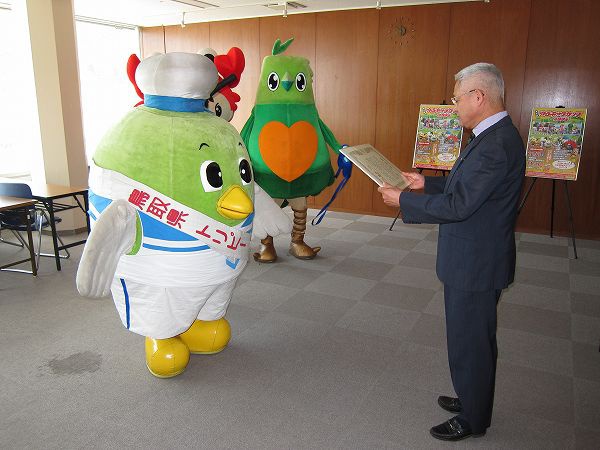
(570, 212)
(567, 197)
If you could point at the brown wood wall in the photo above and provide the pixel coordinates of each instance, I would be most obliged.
(369, 81)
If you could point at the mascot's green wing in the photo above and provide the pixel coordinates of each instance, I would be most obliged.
(329, 137)
(247, 129)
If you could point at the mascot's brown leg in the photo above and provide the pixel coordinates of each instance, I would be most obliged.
(267, 253)
(297, 247)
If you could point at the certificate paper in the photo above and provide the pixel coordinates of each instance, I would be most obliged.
(375, 165)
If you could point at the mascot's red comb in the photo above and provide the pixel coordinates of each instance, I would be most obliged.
(132, 63)
(230, 67)
(232, 63)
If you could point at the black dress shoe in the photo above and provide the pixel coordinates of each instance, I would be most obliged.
(451, 404)
(453, 430)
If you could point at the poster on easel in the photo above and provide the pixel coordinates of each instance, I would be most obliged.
(555, 142)
(439, 135)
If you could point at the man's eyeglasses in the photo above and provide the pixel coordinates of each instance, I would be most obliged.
(454, 100)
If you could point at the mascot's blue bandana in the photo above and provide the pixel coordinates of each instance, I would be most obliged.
(178, 104)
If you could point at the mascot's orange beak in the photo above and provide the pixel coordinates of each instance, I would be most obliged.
(235, 203)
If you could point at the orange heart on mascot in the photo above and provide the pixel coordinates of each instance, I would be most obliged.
(288, 151)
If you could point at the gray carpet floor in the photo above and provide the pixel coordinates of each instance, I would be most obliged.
(345, 351)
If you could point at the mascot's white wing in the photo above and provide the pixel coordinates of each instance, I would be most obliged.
(269, 218)
(113, 236)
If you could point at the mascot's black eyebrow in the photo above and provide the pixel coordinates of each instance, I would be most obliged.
(202, 145)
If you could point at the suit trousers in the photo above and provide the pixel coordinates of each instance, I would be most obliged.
(472, 352)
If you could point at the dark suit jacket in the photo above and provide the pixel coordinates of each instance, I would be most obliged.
(476, 207)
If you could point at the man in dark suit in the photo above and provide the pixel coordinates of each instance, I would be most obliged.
(476, 207)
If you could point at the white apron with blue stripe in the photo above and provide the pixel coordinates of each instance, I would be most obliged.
(173, 279)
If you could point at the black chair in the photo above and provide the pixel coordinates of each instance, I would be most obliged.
(13, 222)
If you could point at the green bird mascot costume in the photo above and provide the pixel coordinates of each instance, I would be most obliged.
(287, 143)
(173, 204)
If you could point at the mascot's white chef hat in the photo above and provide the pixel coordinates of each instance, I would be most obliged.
(183, 75)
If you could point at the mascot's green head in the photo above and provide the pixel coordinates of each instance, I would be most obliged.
(189, 155)
(285, 79)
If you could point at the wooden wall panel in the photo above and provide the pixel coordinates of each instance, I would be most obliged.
(493, 32)
(302, 27)
(345, 91)
(152, 41)
(411, 72)
(368, 85)
(245, 35)
(193, 38)
(563, 63)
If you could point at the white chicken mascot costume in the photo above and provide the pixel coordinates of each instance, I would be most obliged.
(173, 204)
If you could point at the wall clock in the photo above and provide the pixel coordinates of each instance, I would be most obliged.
(402, 31)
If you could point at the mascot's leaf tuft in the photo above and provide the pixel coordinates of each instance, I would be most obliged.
(278, 47)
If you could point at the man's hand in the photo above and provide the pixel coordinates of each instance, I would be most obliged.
(390, 194)
(415, 180)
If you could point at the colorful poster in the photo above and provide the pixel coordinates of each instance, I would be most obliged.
(555, 142)
(439, 135)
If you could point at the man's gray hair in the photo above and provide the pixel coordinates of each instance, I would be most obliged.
(489, 76)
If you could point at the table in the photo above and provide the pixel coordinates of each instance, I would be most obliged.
(21, 205)
(47, 194)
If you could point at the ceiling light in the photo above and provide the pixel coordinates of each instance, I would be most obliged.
(197, 4)
(284, 5)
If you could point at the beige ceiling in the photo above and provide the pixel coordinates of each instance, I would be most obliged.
(171, 12)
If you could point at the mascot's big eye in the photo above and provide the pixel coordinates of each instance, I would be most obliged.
(245, 171)
(300, 82)
(220, 106)
(273, 81)
(210, 174)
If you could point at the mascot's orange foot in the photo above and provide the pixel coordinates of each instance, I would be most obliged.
(166, 358)
(267, 253)
(300, 250)
(207, 337)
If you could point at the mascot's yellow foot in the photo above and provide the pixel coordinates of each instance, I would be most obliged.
(267, 252)
(207, 337)
(166, 358)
